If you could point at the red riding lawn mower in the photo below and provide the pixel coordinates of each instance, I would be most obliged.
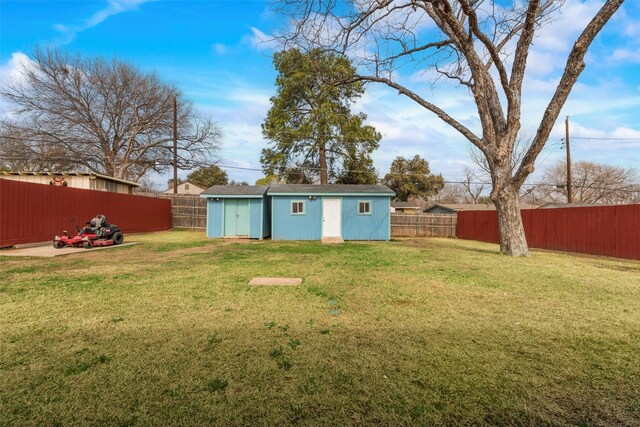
(98, 233)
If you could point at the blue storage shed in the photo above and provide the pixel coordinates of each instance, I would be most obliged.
(238, 211)
(314, 212)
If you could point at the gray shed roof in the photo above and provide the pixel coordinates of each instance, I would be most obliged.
(456, 207)
(405, 205)
(235, 191)
(336, 189)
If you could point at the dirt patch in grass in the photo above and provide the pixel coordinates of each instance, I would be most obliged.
(409, 332)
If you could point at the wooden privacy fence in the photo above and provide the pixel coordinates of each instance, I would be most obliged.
(187, 210)
(596, 230)
(31, 213)
(423, 225)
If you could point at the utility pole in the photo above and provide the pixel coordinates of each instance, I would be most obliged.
(175, 144)
(566, 140)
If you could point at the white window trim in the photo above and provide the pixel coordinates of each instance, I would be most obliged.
(304, 207)
(370, 207)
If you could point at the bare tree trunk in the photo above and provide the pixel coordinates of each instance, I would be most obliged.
(324, 175)
(512, 238)
(109, 170)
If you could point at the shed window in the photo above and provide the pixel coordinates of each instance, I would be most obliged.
(364, 208)
(186, 186)
(297, 208)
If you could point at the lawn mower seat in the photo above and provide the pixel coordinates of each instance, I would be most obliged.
(96, 225)
(101, 221)
(100, 224)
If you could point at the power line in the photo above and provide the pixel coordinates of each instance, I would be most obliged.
(536, 184)
(604, 138)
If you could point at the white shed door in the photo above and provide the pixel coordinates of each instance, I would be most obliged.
(331, 217)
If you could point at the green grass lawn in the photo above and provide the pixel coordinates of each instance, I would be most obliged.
(409, 332)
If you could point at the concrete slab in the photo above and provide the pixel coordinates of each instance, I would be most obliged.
(275, 281)
(49, 251)
(332, 240)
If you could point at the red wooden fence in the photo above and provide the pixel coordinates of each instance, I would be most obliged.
(36, 213)
(597, 230)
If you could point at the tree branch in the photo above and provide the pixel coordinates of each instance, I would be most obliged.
(429, 106)
(573, 69)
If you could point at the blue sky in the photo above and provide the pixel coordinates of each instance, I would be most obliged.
(213, 51)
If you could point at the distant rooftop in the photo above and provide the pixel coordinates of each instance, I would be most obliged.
(568, 205)
(472, 207)
(404, 205)
(89, 174)
(235, 190)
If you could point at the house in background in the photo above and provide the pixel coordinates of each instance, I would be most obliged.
(551, 205)
(453, 208)
(299, 212)
(238, 211)
(405, 207)
(184, 188)
(83, 180)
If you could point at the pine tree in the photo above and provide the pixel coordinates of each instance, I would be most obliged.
(310, 123)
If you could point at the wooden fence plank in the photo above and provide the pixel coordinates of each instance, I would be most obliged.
(187, 210)
(597, 230)
(423, 225)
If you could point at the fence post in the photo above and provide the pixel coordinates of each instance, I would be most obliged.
(452, 229)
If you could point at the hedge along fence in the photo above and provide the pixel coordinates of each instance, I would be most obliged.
(596, 230)
(31, 213)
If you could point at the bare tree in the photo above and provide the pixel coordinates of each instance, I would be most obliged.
(471, 189)
(483, 172)
(108, 117)
(22, 153)
(482, 45)
(473, 186)
(450, 193)
(592, 183)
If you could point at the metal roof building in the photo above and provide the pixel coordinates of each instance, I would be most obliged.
(84, 180)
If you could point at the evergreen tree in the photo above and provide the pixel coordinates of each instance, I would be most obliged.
(208, 176)
(310, 123)
(358, 169)
(412, 177)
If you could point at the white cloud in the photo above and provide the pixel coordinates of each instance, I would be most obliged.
(220, 48)
(560, 34)
(628, 55)
(624, 132)
(68, 33)
(12, 71)
(261, 41)
(250, 96)
(632, 29)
